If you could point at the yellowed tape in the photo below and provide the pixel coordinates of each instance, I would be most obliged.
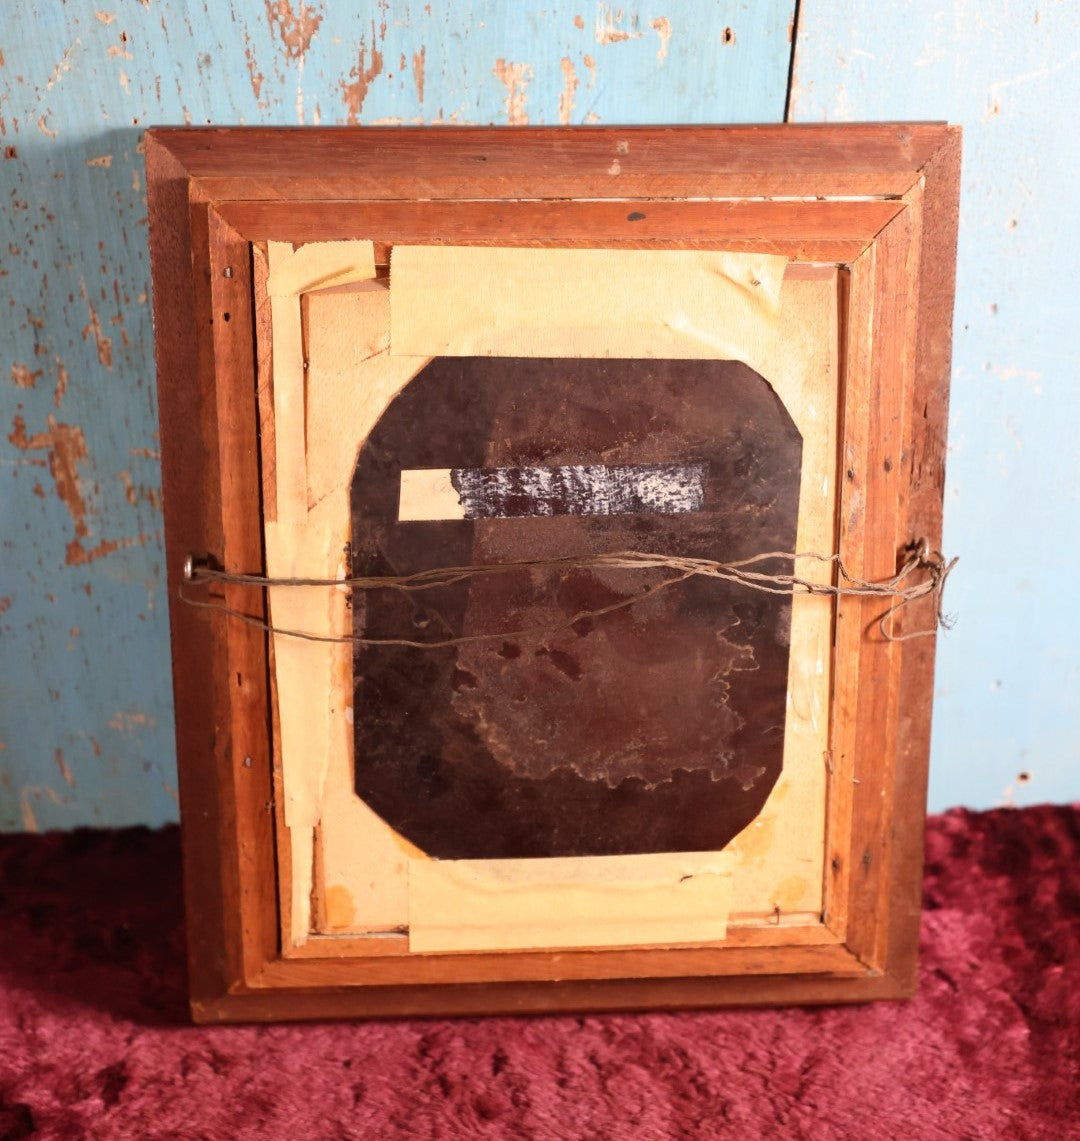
(592, 901)
(479, 301)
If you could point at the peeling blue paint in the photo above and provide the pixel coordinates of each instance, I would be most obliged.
(85, 697)
(1007, 715)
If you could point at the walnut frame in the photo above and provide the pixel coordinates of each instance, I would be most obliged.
(879, 200)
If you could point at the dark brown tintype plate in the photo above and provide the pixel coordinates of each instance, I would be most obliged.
(655, 727)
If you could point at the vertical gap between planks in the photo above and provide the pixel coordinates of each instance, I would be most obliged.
(791, 60)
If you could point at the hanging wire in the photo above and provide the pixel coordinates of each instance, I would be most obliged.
(921, 575)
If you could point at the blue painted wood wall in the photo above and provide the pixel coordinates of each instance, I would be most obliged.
(1007, 709)
(85, 701)
(85, 710)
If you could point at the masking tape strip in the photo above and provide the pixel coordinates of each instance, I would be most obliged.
(298, 545)
(593, 901)
(480, 301)
(321, 265)
(318, 265)
(303, 672)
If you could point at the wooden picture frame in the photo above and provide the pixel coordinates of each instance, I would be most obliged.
(876, 205)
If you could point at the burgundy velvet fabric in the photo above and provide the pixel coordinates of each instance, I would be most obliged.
(94, 1039)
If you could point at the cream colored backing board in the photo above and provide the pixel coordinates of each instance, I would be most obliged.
(344, 343)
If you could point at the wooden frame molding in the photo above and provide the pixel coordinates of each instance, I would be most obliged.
(879, 201)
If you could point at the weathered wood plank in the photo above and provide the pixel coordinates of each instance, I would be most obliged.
(1006, 690)
(80, 474)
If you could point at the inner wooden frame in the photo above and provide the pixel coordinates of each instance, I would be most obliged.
(879, 201)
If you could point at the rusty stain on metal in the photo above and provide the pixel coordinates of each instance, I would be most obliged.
(515, 78)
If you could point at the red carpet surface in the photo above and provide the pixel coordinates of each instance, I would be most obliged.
(94, 1039)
